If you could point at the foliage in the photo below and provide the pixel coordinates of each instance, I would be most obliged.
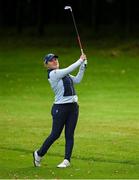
(106, 138)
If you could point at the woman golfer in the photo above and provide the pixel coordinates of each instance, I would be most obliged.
(65, 109)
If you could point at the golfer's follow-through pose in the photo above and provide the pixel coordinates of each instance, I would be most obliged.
(65, 108)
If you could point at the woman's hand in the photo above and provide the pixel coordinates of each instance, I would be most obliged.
(83, 57)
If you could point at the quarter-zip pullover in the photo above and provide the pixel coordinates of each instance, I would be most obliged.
(62, 82)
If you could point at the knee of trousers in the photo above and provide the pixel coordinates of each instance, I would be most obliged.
(54, 136)
(69, 138)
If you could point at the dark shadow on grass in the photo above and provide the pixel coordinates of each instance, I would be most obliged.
(16, 149)
(89, 159)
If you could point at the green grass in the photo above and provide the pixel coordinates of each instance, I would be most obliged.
(107, 134)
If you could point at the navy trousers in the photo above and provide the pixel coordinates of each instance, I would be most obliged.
(64, 115)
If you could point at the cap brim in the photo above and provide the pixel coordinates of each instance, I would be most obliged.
(55, 56)
(47, 60)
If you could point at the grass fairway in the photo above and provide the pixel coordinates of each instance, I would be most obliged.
(107, 134)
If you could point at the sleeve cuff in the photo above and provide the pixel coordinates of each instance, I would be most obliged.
(81, 60)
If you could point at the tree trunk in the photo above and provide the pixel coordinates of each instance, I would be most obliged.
(19, 16)
(40, 22)
(127, 17)
(94, 21)
(1, 13)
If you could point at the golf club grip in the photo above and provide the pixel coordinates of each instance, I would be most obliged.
(85, 62)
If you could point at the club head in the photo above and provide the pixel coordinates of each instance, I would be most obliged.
(68, 7)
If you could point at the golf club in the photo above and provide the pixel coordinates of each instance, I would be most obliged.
(78, 36)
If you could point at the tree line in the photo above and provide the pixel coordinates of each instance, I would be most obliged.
(92, 13)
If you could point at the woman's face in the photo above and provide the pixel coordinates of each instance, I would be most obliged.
(53, 64)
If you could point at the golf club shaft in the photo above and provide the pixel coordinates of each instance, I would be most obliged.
(78, 36)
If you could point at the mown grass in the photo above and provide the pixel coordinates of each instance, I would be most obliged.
(106, 138)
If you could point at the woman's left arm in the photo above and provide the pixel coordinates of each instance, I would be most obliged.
(77, 79)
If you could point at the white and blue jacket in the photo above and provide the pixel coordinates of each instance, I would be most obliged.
(62, 82)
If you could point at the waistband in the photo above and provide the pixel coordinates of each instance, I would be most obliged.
(72, 103)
